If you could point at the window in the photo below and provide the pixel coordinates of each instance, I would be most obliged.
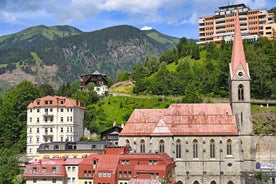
(61, 119)
(212, 149)
(37, 110)
(195, 148)
(54, 181)
(34, 180)
(34, 169)
(127, 143)
(67, 118)
(178, 149)
(44, 169)
(30, 130)
(37, 120)
(61, 129)
(230, 182)
(31, 110)
(196, 182)
(73, 169)
(31, 119)
(73, 180)
(240, 92)
(37, 140)
(71, 118)
(142, 146)
(54, 169)
(37, 130)
(161, 146)
(229, 147)
(61, 110)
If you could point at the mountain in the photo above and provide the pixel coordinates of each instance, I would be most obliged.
(58, 54)
(36, 35)
(166, 40)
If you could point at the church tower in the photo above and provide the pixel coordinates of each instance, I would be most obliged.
(239, 86)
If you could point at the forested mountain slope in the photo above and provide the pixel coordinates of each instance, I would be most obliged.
(36, 35)
(61, 54)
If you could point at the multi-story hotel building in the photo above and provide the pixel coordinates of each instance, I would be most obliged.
(220, 26)
(53, 119)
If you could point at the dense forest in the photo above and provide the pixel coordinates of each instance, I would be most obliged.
(191, 70)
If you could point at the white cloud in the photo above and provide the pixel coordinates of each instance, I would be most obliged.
(146, 28)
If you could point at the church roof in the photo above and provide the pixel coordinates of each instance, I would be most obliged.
(238, 56)
(182, 119)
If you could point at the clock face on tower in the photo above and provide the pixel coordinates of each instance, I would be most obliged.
(240, 74)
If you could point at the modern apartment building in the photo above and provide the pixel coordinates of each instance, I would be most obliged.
(53, 119)
(220, 26)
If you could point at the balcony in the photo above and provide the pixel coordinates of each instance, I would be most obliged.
(47, 114)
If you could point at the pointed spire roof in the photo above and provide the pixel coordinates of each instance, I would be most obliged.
(238, 56)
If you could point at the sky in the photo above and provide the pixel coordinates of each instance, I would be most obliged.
(178, 18)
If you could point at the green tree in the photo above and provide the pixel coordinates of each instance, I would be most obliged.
(139, 72)
(46, 89)
(122, 76)
(152, 64)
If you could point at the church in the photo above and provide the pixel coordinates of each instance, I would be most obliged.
(211, 143)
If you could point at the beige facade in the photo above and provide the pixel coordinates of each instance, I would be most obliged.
(53, 119)
(270, 31)
(220, 26)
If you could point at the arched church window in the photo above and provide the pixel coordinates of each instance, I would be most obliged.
(230, 182)
(178, 149)
(240, 92)
(213, 182)
(229, 147)
(161, 146)
(142, 146)
(212, 149)
(195, 148)
(196, 182)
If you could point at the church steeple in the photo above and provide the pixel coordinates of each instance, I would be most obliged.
(238, 60)
(239, 84)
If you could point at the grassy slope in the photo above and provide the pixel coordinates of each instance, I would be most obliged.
(119, 108)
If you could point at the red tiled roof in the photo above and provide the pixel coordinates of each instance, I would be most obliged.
(182, 119)
(238, 56)
(44, 168)
(108, 163)
(55, 101)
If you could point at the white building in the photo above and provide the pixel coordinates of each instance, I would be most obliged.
(53, 118)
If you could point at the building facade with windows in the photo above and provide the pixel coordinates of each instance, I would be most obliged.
(220, 26)
(52, 171)
(98, 79)
(210, 143)
(53, 119)
(114, 166)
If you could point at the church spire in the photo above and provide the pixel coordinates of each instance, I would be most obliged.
(238, 57)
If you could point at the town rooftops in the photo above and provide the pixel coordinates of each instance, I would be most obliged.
(49, 168)
(55, 101)
(182, 119)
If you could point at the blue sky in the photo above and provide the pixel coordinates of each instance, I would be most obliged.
(177, 18)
